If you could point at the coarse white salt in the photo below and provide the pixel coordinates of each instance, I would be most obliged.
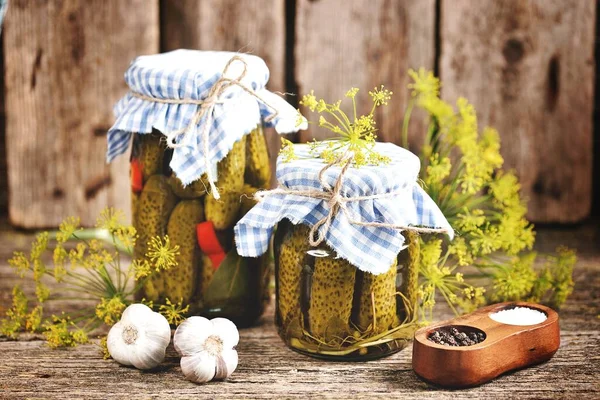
(519, 316)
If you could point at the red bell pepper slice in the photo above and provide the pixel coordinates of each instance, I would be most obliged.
(137, 180)
(209, 243)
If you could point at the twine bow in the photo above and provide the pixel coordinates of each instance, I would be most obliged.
(206, 107)
(336, 202)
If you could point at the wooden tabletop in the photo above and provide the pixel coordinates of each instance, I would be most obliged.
(29, 369)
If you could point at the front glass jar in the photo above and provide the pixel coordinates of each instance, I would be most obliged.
(328, 308)
(209, 276)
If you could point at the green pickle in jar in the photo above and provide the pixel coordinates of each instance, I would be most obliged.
(328, 308)
(228, 286)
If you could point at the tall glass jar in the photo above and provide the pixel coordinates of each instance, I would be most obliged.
(328, 308)
(209, 276)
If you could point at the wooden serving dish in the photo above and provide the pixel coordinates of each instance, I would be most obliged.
(505, 348)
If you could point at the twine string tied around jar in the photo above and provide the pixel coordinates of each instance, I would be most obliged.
(206, 107)
(336, 202)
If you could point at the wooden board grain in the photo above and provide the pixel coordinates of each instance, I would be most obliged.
(346, 43)
(268, 369)
(251, 26)
(528, 67)
(64, 65)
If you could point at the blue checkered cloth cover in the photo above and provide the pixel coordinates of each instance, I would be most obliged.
(371, 249)
(190, 74)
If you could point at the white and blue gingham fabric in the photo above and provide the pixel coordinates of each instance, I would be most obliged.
(371, 249)
(189, 75)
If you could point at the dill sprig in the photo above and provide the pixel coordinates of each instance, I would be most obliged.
(87, 266)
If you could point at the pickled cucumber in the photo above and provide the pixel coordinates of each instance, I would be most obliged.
(410, 273)
(331, 296)
(230, 170)
(378, 292)
(152, 148)
(258, 170)
(291, 253)
(180, 280)
(223, 212)
(208, 270)
(155, 205)
(194, 190)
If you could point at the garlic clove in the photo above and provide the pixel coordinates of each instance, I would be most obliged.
(227, 331)
(114, 343)
(199, 367)
(226, 364)
(191, 334)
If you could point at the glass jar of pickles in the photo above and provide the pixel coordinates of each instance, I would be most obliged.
(198, 156)
(351, 295)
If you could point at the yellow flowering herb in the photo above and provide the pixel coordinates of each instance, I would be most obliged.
(161, 253)
(67, 229)
(463, 174)
(356, 134)
(104, 348)
(95, 271)
(62, 332)
(287, 151)
(109, 310)
(173, 312)
(16, 315)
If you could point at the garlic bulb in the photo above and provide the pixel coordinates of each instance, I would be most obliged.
(207, 348)
(140, 338)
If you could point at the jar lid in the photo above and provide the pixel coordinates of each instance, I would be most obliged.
(374, 205)
(202, 101)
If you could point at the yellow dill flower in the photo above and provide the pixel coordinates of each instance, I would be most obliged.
(287, 152)
(76, 255)
(110, 219)
(20, 263)
(127, 235)
(141, 268)
(351, 93)
(439, 109)
(437, 170)
(104, 348)
(309, 100)
(109, 310)
(425, 84)
(300, 120)
(515, 280)
(459, 248)
(67, 228)
(173, 312)
(58, 333)
(39, 246)
(161, 253)
(380, 96)
(148, 303)
(41, 292)
(16, 315)
(470, 220)
(80, 337)
(59, 256)
(34, 319)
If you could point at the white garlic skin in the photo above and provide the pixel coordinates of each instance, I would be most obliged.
(207, 348)
(140, 338)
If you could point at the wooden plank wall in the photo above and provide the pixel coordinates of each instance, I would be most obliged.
(64, 64)
(527, 65)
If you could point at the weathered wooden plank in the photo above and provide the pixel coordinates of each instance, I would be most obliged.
(267, 369)
(254, 26)
(340, 44)
(64, 64)
(528, 67)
